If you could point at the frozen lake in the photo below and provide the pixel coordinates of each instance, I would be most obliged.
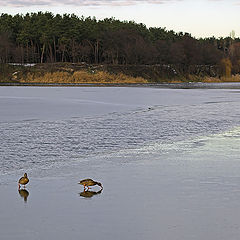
(168, 160)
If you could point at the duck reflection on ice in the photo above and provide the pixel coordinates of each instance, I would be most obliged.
(24, 194)
(89, 194)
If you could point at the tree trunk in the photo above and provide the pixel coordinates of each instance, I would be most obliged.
(51, 53)
(55, 50)
(42, 53)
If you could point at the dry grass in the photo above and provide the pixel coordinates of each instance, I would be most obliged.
(174, 81)
(81, 77)
(233, 78)
(102, 77)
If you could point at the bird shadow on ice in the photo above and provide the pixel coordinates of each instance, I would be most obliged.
(24, 194)
(89, 194)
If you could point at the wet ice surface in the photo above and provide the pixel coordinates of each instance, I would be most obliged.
(168, 160)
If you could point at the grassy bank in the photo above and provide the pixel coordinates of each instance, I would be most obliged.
(82, 73)
(65, 73)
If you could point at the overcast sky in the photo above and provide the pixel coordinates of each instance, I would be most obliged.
(201, 18)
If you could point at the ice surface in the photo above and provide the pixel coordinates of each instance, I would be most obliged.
(168, 160)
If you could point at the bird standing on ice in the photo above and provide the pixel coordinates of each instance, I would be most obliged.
(89, 182)
(23, 180)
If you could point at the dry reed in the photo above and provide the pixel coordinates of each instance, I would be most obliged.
(81, 77)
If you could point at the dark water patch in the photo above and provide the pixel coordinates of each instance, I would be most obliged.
(216, 102)
(40, 144)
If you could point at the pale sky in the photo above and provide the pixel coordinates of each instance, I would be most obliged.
(201, 18)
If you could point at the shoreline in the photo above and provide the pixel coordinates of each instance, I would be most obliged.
(183, 85)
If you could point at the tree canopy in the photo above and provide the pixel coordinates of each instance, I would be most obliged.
(45, 37)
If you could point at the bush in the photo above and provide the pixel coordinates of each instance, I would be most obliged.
(226, 67)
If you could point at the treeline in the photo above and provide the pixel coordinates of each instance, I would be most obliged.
(48, 38)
